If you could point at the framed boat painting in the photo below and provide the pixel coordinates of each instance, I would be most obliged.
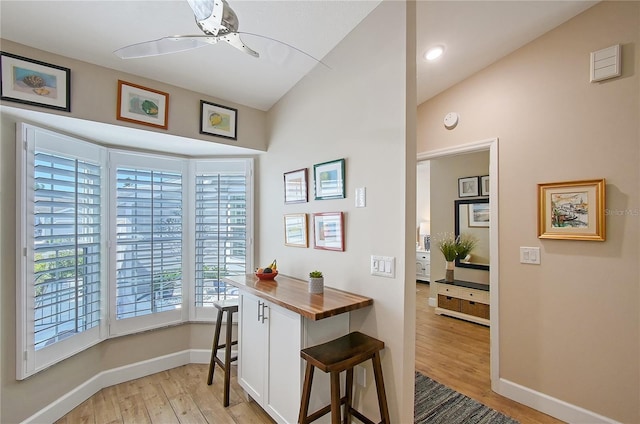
(572, 210)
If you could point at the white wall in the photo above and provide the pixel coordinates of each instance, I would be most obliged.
(356, 110)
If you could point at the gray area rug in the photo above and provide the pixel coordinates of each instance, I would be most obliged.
(436, 403)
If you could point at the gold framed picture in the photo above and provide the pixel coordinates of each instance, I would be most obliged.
(572, 210)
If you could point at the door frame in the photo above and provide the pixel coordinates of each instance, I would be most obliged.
(491, 145)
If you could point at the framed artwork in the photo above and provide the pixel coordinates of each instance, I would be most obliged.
(295, 230)
(35, 83)
(328, 231)
(484, 185)
(218, 120)
(295, 186)
(572, 210)
(468, 187)
(478, 214)
(328, 180)
(142, 105)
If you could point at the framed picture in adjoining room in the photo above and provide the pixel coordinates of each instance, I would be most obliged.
(295, 186)
(328, 231)
(484, 185)
(328, 180)
(468, 187)
(218, 120)
(478, 214)
(35, 83)
(142, 105)
(295, 230)
(572, 210)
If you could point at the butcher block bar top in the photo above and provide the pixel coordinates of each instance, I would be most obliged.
(293, 294)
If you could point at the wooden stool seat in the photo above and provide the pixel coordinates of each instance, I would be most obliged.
(230, 306)
(335, 356)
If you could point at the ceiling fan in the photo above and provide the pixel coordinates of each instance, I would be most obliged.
(217, 21)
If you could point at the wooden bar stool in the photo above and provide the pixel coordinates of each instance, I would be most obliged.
(342, 354)
(230, 306)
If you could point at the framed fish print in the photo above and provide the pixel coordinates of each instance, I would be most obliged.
(35, 83)
(142, 105)
(572, 210)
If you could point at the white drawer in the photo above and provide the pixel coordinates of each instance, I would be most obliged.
(448, 290)
(480, 296)
(423, 257)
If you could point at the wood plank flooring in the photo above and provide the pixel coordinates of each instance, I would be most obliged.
(451, 351)
(456, 353)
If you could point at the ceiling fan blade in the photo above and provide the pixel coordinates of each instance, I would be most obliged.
(234, 39)
(285, 44)
(165, 45)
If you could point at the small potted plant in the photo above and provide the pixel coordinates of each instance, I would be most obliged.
(448, 245)
(316, 282)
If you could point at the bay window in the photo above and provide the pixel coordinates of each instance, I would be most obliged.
(116, 242)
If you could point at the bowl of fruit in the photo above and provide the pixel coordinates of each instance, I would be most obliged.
(269, 272)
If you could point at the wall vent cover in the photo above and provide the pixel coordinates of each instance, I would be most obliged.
(605, 63)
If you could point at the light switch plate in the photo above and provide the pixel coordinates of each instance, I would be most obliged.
(530, 255)
(384, 266)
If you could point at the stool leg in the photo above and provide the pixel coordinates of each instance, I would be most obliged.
(335, 397)
(382, 396)
(306, 394)
(214, 349)
(227, 358)
(348, 394)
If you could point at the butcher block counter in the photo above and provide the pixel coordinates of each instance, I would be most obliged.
(293, 294)
(278, 318)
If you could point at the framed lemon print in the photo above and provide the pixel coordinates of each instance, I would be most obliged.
(218, 120)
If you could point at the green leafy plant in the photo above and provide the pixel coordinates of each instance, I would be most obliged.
(448, 246)
(466, 243)
(315, 274)
(453, 247)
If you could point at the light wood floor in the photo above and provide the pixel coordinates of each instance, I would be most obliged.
(451, 351)
(456, 353)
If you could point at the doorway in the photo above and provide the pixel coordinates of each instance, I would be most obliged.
(490, 145)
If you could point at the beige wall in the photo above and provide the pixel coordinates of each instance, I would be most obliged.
(353, 113)
(569, 328)
(94, 98)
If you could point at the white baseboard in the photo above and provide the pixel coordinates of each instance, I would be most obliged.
(57, 409)
(432, 302)
(66, 403)
(549, 405)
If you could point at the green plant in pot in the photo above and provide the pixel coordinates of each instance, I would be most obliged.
(453, 247)
(316, 282)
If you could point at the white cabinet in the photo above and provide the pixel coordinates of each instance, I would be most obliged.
(423, 265)
(270, 369)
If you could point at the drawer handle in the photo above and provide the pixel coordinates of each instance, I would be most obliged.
(472, 303)
(470, 294)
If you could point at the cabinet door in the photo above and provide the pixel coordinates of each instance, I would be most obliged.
(284, 375)
(252, 351)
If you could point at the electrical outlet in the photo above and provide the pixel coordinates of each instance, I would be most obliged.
(361, 376)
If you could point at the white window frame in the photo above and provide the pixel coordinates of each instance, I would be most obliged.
(119, 158)
(240, 165)
(29, 360)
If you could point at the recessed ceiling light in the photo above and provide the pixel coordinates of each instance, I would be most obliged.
(434, 53)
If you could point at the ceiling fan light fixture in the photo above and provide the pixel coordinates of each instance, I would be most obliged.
(434, 53)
